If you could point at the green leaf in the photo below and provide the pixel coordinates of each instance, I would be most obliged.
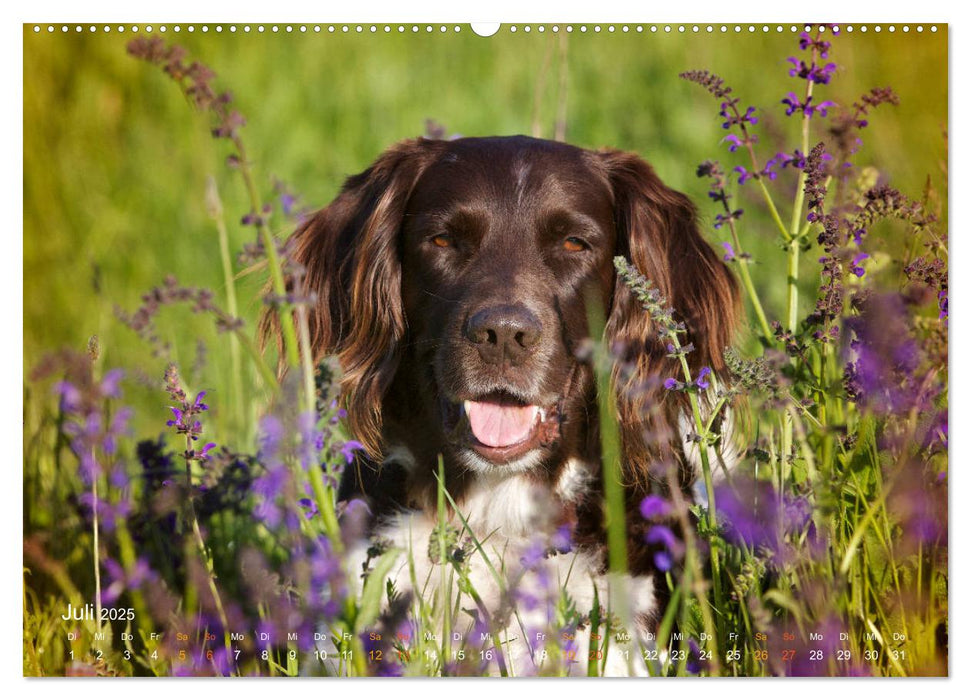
(370, 604)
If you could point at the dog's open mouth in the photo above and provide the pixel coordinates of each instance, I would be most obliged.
(500, 427)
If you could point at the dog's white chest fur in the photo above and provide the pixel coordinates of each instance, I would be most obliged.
(542, 596)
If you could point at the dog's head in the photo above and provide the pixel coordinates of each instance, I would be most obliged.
(453, 280)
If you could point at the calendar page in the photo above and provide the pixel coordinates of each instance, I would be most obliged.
(485, 350)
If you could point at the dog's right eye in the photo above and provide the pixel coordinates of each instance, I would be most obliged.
(442, 241)
(574, 244)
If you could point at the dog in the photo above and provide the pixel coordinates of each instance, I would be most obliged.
(454, 281)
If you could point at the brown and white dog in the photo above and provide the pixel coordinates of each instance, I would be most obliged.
(452, 280)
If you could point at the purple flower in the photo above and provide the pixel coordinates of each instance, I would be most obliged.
(672, 384)
(729, 255)
(755, 516)
(324, 565)
(806, 41)
(855, 266)
(110, 384)
(178, 417)
(654, 507)
(695, 663)
(733, 142)
(108, 513)
(663, 535)
(729, 111)
(203, 454)
(821, 107)
(768, 170)
(270, 436)
(118, 580)
(797, 159)
(743, 174)
(185, 413)
(70, 396)
(702, 379)
(813, 72)
(722, 219)
(562, 539)
(349, 448)
(669, 547)
(662, 560)
(268, 488)
(533, 555)
(794, 104)
(919, 505)
(287, 202)
(311, 439)
(198, 405)
(885, 357)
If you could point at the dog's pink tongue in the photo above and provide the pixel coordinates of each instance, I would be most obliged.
(498, 425)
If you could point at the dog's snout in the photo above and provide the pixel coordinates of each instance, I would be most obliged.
(506, 333)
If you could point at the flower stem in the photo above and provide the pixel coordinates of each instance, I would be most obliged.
(444, 590)
(201, 545)
(306, 360)
(757, 169)
(610, 449)
(214, 204)
(792, 267)
(772, 208)
(298, 354)
(253, 350)
(273, 259)
(693, 578)
(701, 430)
(792, 297)
(746, 276)
(96, 546)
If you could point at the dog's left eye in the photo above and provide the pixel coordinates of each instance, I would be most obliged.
(574, 244)
(442, 241)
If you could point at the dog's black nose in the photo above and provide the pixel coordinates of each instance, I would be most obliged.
(506, 333)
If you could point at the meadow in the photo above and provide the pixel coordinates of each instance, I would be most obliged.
(148, 402)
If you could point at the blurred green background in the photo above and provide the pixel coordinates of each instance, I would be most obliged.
(116, 161)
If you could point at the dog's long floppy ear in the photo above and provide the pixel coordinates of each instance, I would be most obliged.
(658, 233)
(349, 252)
